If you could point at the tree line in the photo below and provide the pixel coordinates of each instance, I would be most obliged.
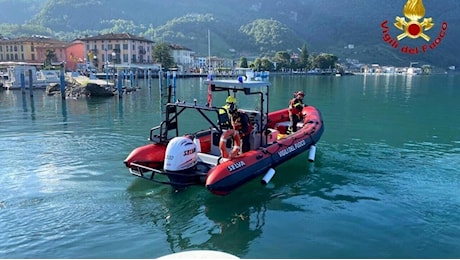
(283, 61)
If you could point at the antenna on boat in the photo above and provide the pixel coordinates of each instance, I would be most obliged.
(209, 70)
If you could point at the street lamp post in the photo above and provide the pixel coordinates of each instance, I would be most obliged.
(106, 67)
(114, 56)
(95, 64)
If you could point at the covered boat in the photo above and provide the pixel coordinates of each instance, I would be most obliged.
(184, 159)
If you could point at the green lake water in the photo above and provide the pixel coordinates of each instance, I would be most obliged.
(385, 182)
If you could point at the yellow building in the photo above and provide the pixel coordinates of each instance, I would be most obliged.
(32, 50)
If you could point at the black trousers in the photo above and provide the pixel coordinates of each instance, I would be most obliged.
(245, 146)
(294, 120)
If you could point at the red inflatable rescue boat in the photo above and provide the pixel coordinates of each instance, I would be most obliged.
(181, 160)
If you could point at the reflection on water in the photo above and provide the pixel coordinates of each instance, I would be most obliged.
(408, 85)
(64, 110)
(120, 109)
(391, 86)
(200, 222)
(24, 103)
(196, 219)
(32, 105)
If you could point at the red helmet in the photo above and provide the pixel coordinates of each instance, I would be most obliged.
(299, 93)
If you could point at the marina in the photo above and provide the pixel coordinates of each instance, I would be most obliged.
(24, 76)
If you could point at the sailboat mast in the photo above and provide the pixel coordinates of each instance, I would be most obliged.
(209, 50)
(209, 70)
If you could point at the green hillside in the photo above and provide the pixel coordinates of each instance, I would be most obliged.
(247, 27)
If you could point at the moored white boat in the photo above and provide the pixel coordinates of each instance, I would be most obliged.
(40, 79)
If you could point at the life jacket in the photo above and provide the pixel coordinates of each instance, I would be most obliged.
(295, 106)
(240, 122)
(223, 115)
(224, 108)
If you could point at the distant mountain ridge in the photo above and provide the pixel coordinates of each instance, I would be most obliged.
(252, 27)
(19, 11)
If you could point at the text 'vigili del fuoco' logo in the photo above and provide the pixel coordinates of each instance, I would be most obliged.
(413, 26)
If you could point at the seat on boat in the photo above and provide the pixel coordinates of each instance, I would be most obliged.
(282, 127)
(272, 135)
(254, 116)
(209, 159)
(215, 138)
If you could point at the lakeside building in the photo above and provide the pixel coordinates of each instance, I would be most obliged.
(121, 51)
(118, 49)
(75, 55)
(182, 56)
(32, 50)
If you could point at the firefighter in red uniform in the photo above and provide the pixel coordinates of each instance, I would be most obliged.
(295, 110)
(240, 122)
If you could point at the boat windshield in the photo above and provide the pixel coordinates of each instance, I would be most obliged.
(250, 95)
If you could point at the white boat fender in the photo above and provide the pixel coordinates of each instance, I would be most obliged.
(197, 143)
(268, 176)
(311, 153)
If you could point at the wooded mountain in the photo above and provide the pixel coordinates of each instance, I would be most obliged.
(241, 27)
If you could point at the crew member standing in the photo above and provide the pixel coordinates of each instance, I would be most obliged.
(240, 122)
(225, 111)
(295, 110)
